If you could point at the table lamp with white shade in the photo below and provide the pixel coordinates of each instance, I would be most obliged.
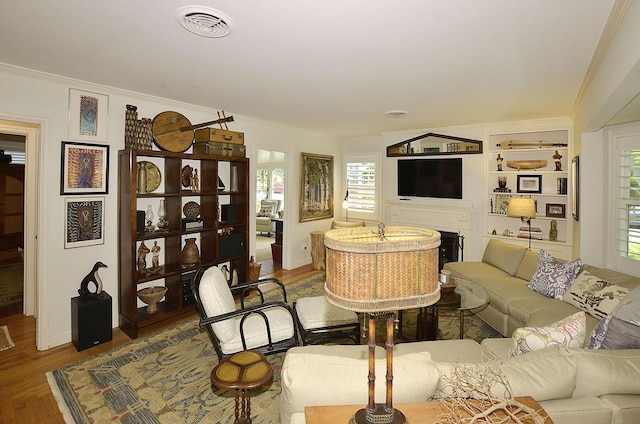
(523, 208)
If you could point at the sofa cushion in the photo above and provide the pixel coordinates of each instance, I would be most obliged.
(537, 310)
(455, 350)
(506, 257)
(569, 332)
(528, 266)
(311, 379)
(503, 291)
(607, 372)
(266, 211)
(544, 374)
(472, 270)
(553, 278)
(594, 295)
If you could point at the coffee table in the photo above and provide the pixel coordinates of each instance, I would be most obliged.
(472, 297)
(467, 297)
(416, 413)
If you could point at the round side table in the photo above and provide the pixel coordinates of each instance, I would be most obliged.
(242, 372)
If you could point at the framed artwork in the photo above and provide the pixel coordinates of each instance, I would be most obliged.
(85, 168)
(88, 116)
(555, 210)
(502, 203)
(529, 184)
(575, 188)
(316, 187)
(84, 222)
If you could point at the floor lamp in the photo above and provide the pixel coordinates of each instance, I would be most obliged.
(523, 208)
(381, 272)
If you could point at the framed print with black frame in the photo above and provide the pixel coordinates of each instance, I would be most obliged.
(84, 221)
(529, 184)
(85, 168)
(555, 210)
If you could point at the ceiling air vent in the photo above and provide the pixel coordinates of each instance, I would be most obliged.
(204, 21)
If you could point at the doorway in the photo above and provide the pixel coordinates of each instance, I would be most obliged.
(30, 305)
(270, 200)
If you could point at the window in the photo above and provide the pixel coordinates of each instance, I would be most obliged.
(277, 184)
(362, 185)
(262, 184)
(626, 185)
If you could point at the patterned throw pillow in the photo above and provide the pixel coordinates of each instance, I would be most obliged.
(570, 332)
(266, 210)
(553, 278)
(593, 295)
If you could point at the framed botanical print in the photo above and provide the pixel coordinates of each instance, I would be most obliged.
(316, 187)
(85, 168)
(84, 222)
(88, 116)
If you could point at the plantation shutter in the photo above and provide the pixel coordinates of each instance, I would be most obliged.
(361, 184)
(627, 210)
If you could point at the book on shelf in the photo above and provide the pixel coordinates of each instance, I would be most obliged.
(535, 233)
(562, 185)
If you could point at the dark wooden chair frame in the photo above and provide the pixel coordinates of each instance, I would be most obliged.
(243, 290)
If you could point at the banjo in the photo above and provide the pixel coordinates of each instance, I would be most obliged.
(172, 131)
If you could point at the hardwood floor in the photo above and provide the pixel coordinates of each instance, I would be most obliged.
(25, 396)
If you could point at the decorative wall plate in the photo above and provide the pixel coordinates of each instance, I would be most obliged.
(153, 175)
(186, 175)
(191, 210)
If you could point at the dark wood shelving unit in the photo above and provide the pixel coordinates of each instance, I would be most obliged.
(132, 316)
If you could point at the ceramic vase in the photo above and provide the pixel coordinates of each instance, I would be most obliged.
(190, 253)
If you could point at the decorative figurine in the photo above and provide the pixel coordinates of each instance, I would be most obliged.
(155, 259)
(142, 257)
(195, 181)
(553, 232)
(556, 157)
(499, 159)
(91, 277)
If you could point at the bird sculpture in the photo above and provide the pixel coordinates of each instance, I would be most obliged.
(92, 277)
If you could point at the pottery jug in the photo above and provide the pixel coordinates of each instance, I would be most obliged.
(190, 253)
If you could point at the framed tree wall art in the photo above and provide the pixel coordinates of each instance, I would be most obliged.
(316, 187)
(85, 168)
(88, 116)
(84, 222)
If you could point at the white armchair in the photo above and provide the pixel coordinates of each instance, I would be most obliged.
(266, 327)
(268, 210)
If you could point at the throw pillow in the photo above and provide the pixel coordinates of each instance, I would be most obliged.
(569, 332)
(553, 278)
(621, 330)
(266, 210)
(593, 295)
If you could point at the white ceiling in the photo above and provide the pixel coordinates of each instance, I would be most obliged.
(328, 66)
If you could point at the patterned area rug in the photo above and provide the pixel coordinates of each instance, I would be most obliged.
(164, 378)
(263, 247)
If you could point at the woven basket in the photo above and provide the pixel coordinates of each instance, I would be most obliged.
(369, 274)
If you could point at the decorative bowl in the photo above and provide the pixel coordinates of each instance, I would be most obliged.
(151, 296)
(191, 210)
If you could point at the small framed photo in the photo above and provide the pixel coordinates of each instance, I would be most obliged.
(84, 222)
(529, 184)
(85, 168)
(88, 116)
(555, 210)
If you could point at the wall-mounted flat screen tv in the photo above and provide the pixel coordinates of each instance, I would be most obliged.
(437, 177)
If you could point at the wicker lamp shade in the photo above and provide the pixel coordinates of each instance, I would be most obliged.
(369, 273)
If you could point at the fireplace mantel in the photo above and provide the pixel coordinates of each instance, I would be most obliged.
(437, 214)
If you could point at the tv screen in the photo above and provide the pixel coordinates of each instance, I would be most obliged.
(441, 178)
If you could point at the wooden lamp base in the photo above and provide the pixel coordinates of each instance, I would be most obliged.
(379, 416)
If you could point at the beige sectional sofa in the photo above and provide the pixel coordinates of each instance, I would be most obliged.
(505, 270)
(574, 386)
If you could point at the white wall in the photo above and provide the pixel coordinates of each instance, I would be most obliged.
(33, 97)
